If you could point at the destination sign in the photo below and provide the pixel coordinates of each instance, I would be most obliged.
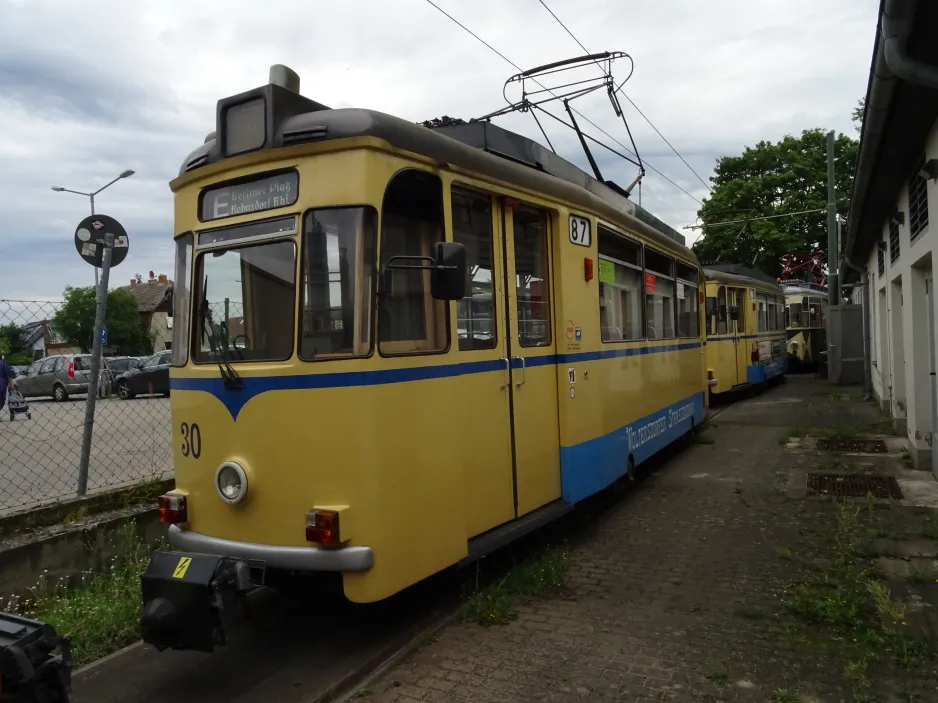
(281, 190)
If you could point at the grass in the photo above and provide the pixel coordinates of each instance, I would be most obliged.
(703, 437)
(100, 611)
(540, 574)
(781, 695)
(718, 676)
(851, 612)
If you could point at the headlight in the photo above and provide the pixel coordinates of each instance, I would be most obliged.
(231, 482)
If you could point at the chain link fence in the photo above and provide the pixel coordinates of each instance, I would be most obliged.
(40, 452)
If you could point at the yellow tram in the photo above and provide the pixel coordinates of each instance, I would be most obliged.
(805, 321)
(329, 416)
(745, 328)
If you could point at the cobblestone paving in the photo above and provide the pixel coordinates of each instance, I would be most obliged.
(672, 595)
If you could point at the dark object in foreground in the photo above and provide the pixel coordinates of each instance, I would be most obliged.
(30, 671)
(189, 600)
(854, 485)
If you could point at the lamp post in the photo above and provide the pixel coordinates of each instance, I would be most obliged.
(59, 189)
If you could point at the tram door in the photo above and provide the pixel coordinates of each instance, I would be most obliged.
(533, 346)
(512, 441)
(738, 300)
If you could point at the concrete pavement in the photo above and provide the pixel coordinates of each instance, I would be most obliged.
(39, 457)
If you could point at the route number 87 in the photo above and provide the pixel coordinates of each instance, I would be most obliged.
(191, 440)
(580, 231)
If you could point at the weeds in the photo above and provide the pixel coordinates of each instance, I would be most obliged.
(100, 611)
(853, 611)
(718, 676)
(781, 695)
(834, 397)
(539, 575)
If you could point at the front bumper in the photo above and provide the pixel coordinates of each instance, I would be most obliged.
(274, 557)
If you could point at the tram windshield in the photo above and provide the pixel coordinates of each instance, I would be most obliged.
(245, 303)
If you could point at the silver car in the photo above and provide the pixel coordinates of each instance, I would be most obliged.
(56, 376)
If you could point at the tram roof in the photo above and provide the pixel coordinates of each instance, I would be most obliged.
(479, 146)
(736, 273)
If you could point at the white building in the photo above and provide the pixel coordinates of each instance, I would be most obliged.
(891, 238)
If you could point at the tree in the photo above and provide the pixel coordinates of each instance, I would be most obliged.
(75, 321)
(857, 115)
(774, 179)
(12, 346)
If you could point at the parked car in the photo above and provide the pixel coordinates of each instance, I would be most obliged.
(151, 376)
(56, 376)
(113, 367)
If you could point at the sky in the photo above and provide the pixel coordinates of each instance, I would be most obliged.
(90, 89)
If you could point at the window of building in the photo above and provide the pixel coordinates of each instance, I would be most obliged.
(410, 321)
(620, 287)
(918, 203)
(532, 276)
(881, 260)
(338, 282)
(472, 227)
(659, 295)
(893, 241)
(688, 302)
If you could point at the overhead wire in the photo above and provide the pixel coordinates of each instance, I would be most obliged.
(521, 70)
(632, 102)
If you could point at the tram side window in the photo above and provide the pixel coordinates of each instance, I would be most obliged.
(659, 295)
(688, 303)
(337, 283)
(181, 293)
(763, 322)
(722, 317)
(712, 311)
(620, 287)
(532, 276)
(410, 321)
(472, 227)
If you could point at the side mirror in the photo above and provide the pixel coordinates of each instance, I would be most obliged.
(449, 273)
(734, 313)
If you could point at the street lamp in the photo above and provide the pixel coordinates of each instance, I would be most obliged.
(59, 189)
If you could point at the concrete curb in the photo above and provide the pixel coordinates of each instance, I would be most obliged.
(98, 663)
(348, 687)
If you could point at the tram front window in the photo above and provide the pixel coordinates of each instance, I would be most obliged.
(245, 305)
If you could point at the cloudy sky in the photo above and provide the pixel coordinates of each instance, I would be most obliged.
(89, 89)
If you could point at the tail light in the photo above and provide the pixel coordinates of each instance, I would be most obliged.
(173, 509)
(322, 527)
(71, 369)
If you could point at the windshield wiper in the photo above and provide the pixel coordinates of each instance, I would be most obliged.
(230, 378)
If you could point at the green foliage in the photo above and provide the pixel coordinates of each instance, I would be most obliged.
(12, 347)
(99, 610)
(75, 321)
(539, 575)
(773, 178)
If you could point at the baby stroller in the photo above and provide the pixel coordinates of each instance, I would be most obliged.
(17, 404)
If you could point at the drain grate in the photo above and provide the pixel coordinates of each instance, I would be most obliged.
(852, 444)
(854, 485)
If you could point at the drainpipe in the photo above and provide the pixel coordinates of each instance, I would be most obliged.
(867, 365)
(897, 23)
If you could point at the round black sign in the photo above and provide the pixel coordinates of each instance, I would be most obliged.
(90, 236)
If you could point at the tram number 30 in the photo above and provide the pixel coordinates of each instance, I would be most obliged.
(191, 440)
(580, 231)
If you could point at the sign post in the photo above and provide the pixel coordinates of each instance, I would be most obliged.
(103, 243)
